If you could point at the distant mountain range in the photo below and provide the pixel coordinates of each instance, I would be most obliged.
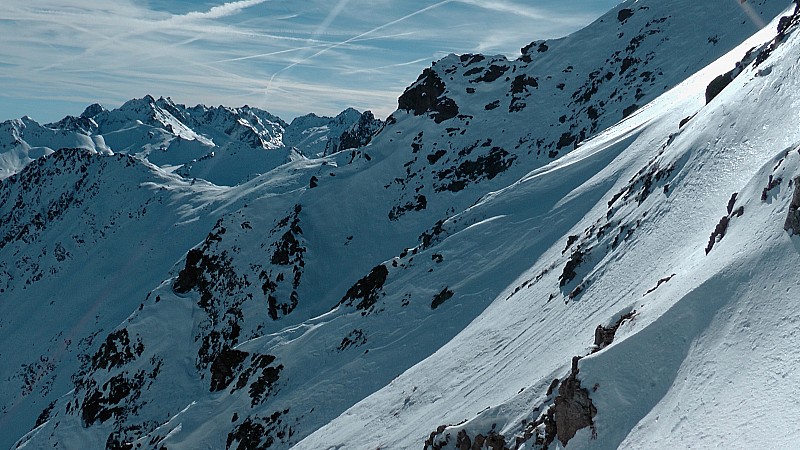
(222, 145)
(591, 246)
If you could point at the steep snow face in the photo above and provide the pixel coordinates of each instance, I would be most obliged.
(601, 344)
(226, 146)
(449, 265)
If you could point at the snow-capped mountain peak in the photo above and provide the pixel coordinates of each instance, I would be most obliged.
(223, 145)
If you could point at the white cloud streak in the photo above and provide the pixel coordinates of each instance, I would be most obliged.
(224, 10)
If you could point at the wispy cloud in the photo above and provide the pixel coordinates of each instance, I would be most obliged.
(509, 7)
(224, 10)
(316, 55)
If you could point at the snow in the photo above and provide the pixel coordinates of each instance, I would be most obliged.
(226, 146)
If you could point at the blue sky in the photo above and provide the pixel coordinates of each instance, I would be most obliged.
(286, 56)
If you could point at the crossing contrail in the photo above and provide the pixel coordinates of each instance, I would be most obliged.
(354, 38)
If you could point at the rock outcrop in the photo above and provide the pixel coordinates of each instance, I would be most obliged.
(792, 224)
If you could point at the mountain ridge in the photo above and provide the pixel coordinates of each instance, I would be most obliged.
(223, 145)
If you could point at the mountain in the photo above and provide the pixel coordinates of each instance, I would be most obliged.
(518, 258)
(226, 146)
(320, 136)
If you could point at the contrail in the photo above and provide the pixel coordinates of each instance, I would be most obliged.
(390, 66)
(331, 17)
(355, 38)
(502, 6)
(223, 10)
(381, 27)
(751, 13)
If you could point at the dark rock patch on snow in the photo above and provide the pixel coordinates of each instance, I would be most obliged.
(443, 296)
(427, 96)
(367, 289)
(792, 223)
(604, 336)
(224, 368)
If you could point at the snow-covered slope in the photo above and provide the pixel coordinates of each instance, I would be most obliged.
(426, 289)
(226, 146)
(639, 264)
(23, 140)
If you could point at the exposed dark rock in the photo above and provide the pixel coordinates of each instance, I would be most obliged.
(436, 156)
(441, 297)
(429, 237)
(473, 71)
(92, 110)
(495, 441)
(566, 139)
(571, 410)
(574, 409)
(112, 443)
(189, 276)
(263, 385)
(604, 336)
(361, 133)
(624, 14)
(469, 59)
(718, 233)
(260, 433)
(521, 84)
(100, 405)
(44, 416)
(81, 124)
(629, 110)
(552, 387)
(627, 63)
(569, 273)
(771, 184)
(224, 368)
(314, 182)
(792, 223)
(492, 73)
(732, 202)
(486, 166)
(366, 289)
(445, 109)
(519, 90)
(660, 282)
(267, 375)
(287, 248)
(463, 442)
(419, 204)
(427, 96)
(570, 240)
(289, 263)
(116, 351)
(717, 85)
(356, 338)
